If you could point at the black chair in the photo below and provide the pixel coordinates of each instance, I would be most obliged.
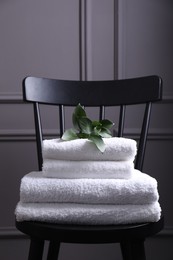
(122, 93)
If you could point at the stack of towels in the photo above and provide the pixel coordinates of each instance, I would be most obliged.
(80, 185)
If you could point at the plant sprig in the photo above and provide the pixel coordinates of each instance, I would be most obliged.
(87, 129)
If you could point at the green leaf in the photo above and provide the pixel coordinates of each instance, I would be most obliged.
(106, 123)
(85, 125)
(85, 128)
(96, 130)
(105, 133)
(97, 140)
(82, 135)
(79, 111)
(96, 124)
(69, 134)
(75, 121)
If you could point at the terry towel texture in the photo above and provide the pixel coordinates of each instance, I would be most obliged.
(81, 185)
(140, 189)
(87, 169)
(64, 213)
(117, 149)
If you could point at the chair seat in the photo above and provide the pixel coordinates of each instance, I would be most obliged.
(89, 234)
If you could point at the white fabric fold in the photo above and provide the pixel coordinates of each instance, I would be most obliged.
(139, 189)
(87, 169)
(71, 213)
(117, 149)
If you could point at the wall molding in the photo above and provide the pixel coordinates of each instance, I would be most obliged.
(9, 135)
(82, 40)
(12, 233)
(122, 14)
(154, 134)
(15, 98)
(11, 98)
(116, 39)
(167, 98)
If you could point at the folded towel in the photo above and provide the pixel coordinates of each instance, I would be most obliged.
(87, 169)
(71, 213)
(140, 189)
(117, 148)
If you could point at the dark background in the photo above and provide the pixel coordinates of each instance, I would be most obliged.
(72, 39)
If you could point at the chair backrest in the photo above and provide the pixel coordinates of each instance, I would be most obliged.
(102, 94)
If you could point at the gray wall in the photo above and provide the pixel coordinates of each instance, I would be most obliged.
(72, 39)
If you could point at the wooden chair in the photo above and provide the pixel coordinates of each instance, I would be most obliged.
(100, 94)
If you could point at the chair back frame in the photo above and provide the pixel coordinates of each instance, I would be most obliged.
(143, 90)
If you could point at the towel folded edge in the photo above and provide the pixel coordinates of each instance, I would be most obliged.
(87, 214)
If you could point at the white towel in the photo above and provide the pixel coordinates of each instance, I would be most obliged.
(117, 148)
(87, 214)
(140, 189)
(87, 169)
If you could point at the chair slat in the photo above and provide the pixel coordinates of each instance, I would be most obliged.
(39, 134)
(121, 120)
(61, 119)
(102, 113)
(143, 137)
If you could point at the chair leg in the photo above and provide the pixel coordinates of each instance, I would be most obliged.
(133, 250)
(53, 251)
(36, 249)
